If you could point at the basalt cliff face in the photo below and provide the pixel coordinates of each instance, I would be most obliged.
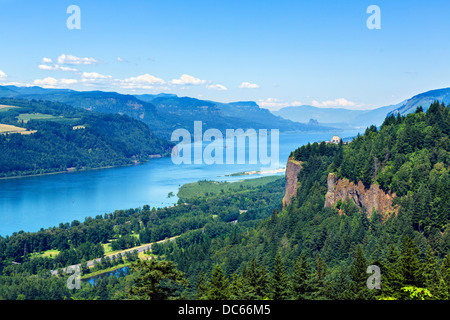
(293, 167)
(370, 198)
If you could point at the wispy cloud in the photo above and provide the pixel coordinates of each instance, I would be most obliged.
(74, 60)
(50, 82)
(46, 60)
(95, 78)
(186, 79)
(3, 75)
(145, 81)
(248, 85)
(338, 103)
(276, 104)
(56, 67)
(216, 87)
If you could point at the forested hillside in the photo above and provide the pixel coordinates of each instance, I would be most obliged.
(234, 208)
(235, 242)
(165, 113)
(308, 251)
(59, 137)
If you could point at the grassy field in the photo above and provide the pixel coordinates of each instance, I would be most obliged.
(4, 108)
(204, 188)
(7, 128)
(46, 254)
(25, 117)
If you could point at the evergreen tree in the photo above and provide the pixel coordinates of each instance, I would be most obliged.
(300, 288)
(430, 273)
(280, 283)
(255, 281)
(410, 267)
(358, 275)
(155, 280)
(218, 285)
(201, 287)
(391, 279)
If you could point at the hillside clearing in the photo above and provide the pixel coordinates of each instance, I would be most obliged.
(7, 128)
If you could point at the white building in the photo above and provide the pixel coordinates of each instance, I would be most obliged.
(335, 140)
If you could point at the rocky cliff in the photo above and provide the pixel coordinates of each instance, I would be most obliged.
(292, 169)
(370, 198)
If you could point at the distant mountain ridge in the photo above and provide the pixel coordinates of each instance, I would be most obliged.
(164, 113)
(341, 117)
(423, 100)
(61, 138)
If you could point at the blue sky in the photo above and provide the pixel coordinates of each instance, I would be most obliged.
(277, 53)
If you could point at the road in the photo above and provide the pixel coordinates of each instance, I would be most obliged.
(91, 263)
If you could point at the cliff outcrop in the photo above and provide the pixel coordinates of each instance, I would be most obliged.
(293, 167)
(370, 198)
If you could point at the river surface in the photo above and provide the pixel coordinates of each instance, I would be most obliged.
(32, 203)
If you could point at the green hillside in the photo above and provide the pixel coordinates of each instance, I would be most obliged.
(308, 251)
(236, 243)
(60, 138)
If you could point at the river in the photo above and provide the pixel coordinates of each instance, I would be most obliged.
(32, 203)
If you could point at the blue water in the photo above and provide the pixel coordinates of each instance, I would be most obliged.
(32, 203)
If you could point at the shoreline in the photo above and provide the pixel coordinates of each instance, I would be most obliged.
(151, 157)
(249, 173)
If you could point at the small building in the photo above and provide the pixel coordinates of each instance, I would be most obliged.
(335, 140)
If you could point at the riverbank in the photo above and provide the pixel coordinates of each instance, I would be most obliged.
(249, 173)
(74, 170)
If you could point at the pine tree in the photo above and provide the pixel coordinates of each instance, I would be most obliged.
(340, 286)
(358, 275)
(255, 281)
(201, 287)
(431, 276)
(280, 284)
(391, 279)
(410, 267)
(445, 273)
(236, 289)
(316, 281)
(300, 286)
(218, 285)
(155, 280)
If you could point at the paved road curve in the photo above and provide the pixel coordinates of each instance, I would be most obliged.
(91, 263)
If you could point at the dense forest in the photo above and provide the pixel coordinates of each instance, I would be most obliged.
(237, 243)
(24, 254)
(307, 251)
(61, 137)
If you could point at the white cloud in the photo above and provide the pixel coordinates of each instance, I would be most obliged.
(46, 67)
(46, 60)
(187, 80)
(94, 76)
(56, 67)
(68, 81)
(73, 60)
(276, 104)
(96, 79)
(17, 84)
(50, 82)
(67, 69)
(248, 85)
(3, 75)
(145, 81)
(216, 87)
(338, 103)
